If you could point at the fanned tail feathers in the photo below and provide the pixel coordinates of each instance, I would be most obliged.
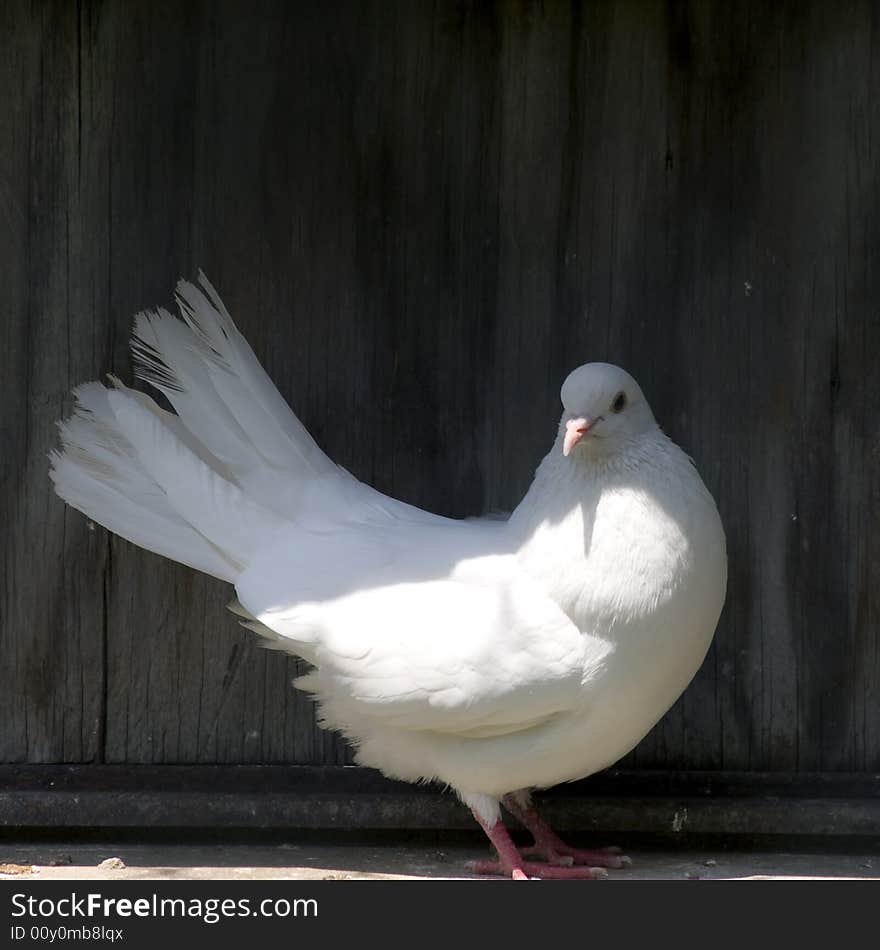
(189, 485)
(99, 472)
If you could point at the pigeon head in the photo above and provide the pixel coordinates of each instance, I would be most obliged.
(604, 407)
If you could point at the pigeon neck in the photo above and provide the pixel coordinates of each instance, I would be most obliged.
(604, 459)
(563, 484)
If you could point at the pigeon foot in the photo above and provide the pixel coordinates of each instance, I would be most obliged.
(550, 847)
(513, 865)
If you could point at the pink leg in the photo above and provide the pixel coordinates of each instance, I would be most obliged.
(549, 846)
(510, 862)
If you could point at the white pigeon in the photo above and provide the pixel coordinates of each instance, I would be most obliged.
(495, 656)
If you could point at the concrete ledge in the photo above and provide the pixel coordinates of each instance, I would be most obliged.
(347, 798)
(111, 860)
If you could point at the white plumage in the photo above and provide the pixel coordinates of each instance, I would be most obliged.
(494, 656)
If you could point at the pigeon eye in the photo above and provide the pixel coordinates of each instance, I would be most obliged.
(619, 403)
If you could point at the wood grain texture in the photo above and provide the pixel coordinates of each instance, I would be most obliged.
(422, 216)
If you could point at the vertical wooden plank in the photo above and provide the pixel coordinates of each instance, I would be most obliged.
(836, 443)
(860, 342)
(51, 618)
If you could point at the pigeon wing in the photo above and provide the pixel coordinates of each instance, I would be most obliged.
(423, 627)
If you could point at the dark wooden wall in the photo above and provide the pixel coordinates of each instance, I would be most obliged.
(434, 211)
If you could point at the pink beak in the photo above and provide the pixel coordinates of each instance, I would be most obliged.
(575, 430)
